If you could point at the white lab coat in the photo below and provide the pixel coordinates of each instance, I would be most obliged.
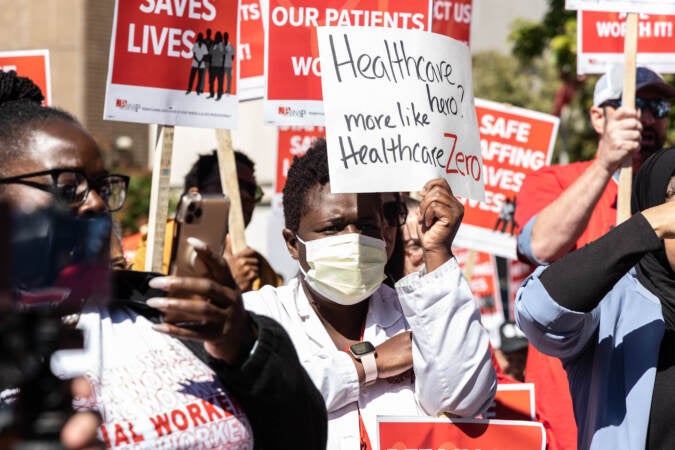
(451, 356)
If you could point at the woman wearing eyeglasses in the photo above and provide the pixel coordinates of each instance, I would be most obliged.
(226, 376)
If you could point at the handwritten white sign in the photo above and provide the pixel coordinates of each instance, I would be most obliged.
(642, 6)
(399, 111)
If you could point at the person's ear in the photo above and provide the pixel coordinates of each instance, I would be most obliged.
(291, 242)
(597, 115)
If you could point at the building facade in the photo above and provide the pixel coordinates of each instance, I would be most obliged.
(77, 35)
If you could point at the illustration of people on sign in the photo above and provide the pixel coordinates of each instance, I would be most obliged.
(208, 40)
(199, 52)
(486, 304)
(213, 57)
(217, 66)
(506, 216)
(229, 59)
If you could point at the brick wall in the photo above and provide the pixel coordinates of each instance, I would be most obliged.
(98, 29)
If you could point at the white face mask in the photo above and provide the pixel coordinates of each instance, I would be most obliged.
(346, 268)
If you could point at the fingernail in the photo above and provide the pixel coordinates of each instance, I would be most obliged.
(198, 244)
(157, 302)
(161, 327)
(162, 283)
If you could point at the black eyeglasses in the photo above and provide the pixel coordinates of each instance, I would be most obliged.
(658, 108)
(253, 190)
(395, 213)
(71, 187)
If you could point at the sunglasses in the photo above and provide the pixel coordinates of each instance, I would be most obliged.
(658, 108)
(253, 190)
(395, 213)
(71, 187)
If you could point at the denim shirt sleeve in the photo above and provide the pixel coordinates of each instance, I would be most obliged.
(525, 243)
(550, 327)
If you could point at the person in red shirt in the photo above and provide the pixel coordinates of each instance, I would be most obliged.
(563, 207)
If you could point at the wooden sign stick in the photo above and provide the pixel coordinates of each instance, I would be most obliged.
(627, 98)
(469, 264)
(230, 184)
(159, 200)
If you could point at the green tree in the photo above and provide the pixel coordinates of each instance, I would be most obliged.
(505, 79)
(135, 211)
(555, 35)
(554, 40)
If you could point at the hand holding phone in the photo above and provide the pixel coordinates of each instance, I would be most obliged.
(204, 217)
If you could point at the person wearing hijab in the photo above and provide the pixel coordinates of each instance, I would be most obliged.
(607, 311)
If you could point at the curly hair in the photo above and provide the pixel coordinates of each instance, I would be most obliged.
(305, 172)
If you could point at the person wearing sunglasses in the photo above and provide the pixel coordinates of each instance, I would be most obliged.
(412, 244)
(564, 207)
(395, 212)
(250, 268)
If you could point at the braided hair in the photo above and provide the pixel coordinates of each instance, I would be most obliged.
(13, 87)
(21, 111)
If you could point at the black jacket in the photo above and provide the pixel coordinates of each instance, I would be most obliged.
(284, 408)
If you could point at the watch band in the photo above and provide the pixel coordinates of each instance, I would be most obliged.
(369, 367)
(365, 352)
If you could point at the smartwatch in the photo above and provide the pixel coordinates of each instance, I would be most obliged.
(365, 352)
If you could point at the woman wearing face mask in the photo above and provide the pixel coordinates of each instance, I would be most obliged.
(372, 350)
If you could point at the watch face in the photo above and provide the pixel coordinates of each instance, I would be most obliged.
(362, 348)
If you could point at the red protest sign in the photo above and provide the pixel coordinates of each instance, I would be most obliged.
(452, 18)
(293, 71)
(409, 433)
(626, 6)
(33, 64)
(155, 37)
(162, 58)
(601, 41)
(513, 402)
(514, 142)
(293, 141)
(251, 50)
(480, 270)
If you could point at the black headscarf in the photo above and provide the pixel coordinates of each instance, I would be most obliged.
(649, 189)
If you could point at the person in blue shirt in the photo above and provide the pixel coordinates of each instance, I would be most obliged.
(607, 311)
